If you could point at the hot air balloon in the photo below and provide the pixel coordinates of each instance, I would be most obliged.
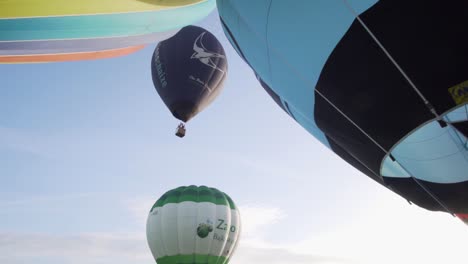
(62, 30)
(193, 225)
(188, 72)
(382, 83)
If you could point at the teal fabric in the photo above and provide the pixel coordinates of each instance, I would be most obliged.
(102, 26)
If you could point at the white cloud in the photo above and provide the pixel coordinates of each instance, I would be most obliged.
(99, 248)
(256, 219)
(259, 221)
(139, 208)
(254, 255)
(387, 233)
(392, 232)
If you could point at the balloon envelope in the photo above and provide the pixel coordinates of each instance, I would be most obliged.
(60, 30)
(188, 71)
(387, 92)
(193, 225)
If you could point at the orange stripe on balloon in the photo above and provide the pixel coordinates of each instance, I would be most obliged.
(94, 55)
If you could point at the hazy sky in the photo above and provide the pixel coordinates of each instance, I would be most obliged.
(87, 147)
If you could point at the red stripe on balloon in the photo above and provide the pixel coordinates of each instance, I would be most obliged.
(462, 216)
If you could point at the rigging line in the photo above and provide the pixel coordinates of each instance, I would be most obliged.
(395, 63)
(466, 110)
(427, 190)
(352, 122)
(426, 102)
(463, 141)
(266, 36)
(455, 131)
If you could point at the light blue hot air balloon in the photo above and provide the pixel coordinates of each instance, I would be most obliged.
(383, 84)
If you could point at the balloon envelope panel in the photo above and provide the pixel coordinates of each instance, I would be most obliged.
(380, 92)
(193, 225)
(30, 27)
(188, 71)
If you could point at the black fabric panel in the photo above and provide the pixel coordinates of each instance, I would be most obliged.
(462, 127)
(340, 151)
(428, 40)
(188, 71)
(454, 195)
(344, 137)
(363, 83)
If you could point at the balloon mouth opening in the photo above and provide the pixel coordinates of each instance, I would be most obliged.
(181, 116)
(184, 111)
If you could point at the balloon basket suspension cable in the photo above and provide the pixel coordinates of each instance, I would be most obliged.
(180, 131)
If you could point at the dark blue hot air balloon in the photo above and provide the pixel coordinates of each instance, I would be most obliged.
(188, 72)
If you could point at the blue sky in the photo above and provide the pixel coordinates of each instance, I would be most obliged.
(87, 147)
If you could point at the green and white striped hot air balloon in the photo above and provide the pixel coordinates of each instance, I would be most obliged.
(193, 225)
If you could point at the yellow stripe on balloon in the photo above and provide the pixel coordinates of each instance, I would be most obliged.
(45, 8)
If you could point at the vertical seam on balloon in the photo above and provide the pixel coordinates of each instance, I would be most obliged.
(457, 134)
(395, 63)
(219, 254)
(163, 248)
(238, 19)
(228, 224)
(266, 40)
(177, 220)
(228, 31)
(215, 213)
(165, 251)
(216, 216)
(235, 236)
(195, 252)
(462, 141)
(466, 110)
